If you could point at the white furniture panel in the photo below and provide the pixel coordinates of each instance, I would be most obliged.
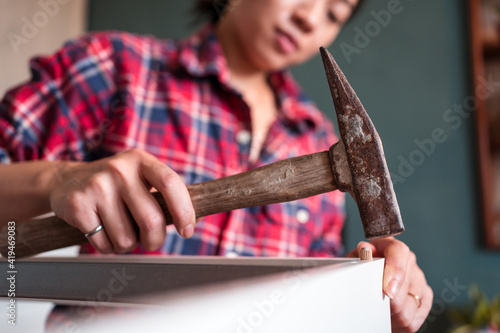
(210, 294)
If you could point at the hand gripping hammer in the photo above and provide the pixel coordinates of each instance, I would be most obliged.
(355, 164)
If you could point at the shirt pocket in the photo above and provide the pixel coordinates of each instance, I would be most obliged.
(288, 228)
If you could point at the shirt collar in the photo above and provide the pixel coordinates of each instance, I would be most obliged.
(201, 55)
(294, 106)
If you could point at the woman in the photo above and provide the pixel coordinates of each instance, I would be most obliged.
(105, 116)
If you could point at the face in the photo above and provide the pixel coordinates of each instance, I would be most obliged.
(274, 34)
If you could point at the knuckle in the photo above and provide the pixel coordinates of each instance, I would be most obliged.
(403, 248)
(412, 257)
(400, 246)
(96, 183)
(103, 248)
(72, 199)
(420, 276)
(118, 167)
(73, 205)
(169, 179)
(152, 238)
(428, 299)
(152, 223)
(125, 244)
(430, 292)
(184, 218)
(137, 152)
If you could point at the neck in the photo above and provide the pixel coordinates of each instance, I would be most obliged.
(251, 82)
(243, 73)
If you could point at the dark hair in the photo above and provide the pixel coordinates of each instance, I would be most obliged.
(213, 9)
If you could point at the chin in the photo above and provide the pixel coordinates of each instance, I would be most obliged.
(279, 61)
(267, 58)
(275, 63)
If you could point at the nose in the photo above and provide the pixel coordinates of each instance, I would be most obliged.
(308, 13)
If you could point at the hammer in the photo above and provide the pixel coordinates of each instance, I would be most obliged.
(355, 164)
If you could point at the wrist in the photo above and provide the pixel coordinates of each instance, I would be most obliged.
(51, 176)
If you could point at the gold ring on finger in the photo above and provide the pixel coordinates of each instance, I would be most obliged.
(417, 299)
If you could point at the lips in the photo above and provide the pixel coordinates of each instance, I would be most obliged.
(286, 42)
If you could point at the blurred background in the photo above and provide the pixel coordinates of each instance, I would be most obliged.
(413, 71)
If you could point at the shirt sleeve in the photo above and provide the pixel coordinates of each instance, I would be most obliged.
(59, 110)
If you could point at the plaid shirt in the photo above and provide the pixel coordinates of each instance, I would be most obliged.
(109, 92)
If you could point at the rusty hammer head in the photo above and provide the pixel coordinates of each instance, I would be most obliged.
(359, 163)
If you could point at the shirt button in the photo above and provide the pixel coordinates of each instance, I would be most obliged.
(302, 215)
(231, 254)
(243, 137)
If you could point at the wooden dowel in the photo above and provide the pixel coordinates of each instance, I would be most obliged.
(365, 254)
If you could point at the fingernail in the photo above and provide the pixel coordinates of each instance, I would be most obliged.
(188, 231)
(391, 289)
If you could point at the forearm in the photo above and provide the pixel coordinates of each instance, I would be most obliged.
(25, 188)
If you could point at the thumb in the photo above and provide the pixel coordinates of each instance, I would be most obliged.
(355, 253)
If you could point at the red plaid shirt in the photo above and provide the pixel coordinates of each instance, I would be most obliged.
(109, 92)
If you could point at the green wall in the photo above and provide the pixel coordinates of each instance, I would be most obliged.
(412, 71)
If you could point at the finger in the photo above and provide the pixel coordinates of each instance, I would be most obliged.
(403, 302)
(423, 311)
(175, 193)
(419, 287)
(404, 306)
(82, 214)
(117, 223)
(396, 255)
(398, 304)
(402, 321)
(410, 316)
(99, 240)
(147, 214)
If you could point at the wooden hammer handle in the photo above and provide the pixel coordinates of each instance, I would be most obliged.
(286, 180)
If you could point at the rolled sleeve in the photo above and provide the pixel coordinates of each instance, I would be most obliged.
(60, 108)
